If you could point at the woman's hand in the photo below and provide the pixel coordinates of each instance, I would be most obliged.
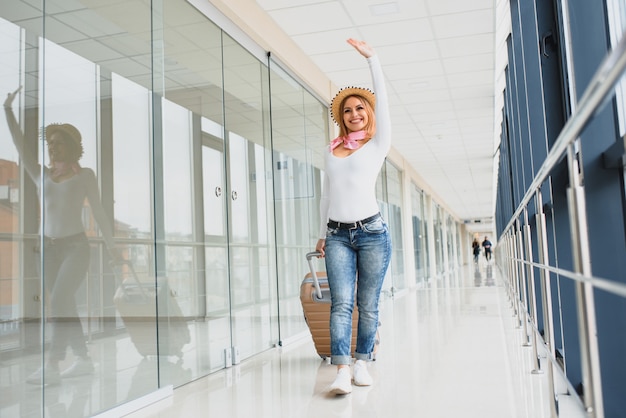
(321, 245)
(363, 48)
(11, 96)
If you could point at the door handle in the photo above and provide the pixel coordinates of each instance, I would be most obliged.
(218, 191)
(547, 38)
(233, 195)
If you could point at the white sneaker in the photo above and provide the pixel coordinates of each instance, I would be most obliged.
(361, 375)
(343, 382)
(80, 367)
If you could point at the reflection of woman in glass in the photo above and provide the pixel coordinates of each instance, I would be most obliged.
(64, 187)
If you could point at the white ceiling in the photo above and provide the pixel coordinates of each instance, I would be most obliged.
(443, 77)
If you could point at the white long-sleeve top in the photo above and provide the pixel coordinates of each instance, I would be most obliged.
(349, 189)
(64, 200)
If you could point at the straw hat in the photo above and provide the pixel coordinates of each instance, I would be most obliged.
(65, 128)
(335, 112)
(69, 131)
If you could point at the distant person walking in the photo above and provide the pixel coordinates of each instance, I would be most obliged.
(475, 249)
(487, 246)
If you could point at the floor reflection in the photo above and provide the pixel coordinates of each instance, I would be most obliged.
(121, 374)
(483, 274)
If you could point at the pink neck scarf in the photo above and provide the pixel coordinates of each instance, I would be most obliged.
(349, 141)
(60, 169)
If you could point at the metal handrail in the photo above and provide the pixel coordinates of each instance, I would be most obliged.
(616, 288)
(561, 372)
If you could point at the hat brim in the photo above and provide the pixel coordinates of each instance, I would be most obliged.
(335, 111)
(66, 128)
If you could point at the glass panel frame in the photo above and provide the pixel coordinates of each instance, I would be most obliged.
(254, 326)
(393, 178)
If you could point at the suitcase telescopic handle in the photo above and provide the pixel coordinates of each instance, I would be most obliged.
(316, 283)
(133, 274)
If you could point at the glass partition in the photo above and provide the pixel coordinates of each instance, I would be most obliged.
(192, 241)
(298, 136)
(438, 238)
(68, 336)
(21, 316)
(450, 240)
(419, 235)
(248, 165)
(394, 219)
(175, 225)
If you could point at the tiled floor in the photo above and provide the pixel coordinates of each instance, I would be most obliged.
(448, 352)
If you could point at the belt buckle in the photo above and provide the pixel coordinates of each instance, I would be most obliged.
(354, 225)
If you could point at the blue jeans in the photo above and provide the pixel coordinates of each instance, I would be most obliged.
(66, 262)
(359, 255)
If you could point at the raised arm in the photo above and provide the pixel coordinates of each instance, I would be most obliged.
(383, 118)
(28, 158)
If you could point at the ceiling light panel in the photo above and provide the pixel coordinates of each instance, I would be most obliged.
(382, 9)
(311, 18)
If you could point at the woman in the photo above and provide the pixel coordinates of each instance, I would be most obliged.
(66, 250)
(475, 249)
(354, 238)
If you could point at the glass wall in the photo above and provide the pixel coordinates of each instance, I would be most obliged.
(419, 235)
(146, 127)
(393, 177)
(616, 15)
(450, 241)
(438, 227)
(299, 137)
(251, 257)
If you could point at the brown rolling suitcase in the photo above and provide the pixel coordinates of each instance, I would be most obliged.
(315, 299)
(137, 304)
